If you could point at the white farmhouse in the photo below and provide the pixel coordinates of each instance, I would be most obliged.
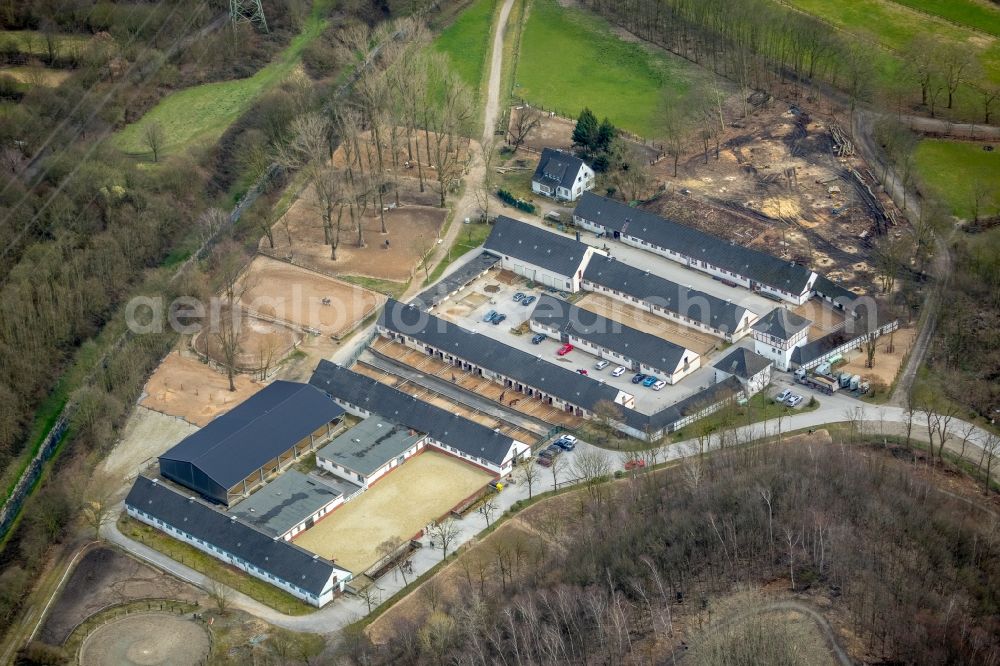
(777, 334)
(561, 176)
(539, 255)
(752, 370)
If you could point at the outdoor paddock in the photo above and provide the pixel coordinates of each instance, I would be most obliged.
(400, 504)
(306, 298)
(262, 344)
(412, 232)
(184, 386)
(661, 327)
(146, 639)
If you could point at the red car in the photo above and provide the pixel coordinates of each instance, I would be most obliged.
(565, 349)
(635, 463)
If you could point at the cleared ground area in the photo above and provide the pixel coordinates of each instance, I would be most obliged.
(148, 639)
(305, 298)
(678, 334)
(886, 363)
(184, 386)
(147, 434)
(399, 505)
(824, 319)
(261, 344)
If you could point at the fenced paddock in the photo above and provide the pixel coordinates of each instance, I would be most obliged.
(400, 504)
(147, 639)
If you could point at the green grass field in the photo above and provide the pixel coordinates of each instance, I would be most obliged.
(202, 113)
(466, 42)
(951, 170)
(974, 13)
(33, 41)
(571, 59)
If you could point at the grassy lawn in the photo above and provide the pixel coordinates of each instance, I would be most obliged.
(973, 13)
(466, 42)
(33, 41)
(470, 237)
(202, 113)
(31, 75)
(394, 289)
(759, 408)
(202, 562)
(571, 59)
(951, 170)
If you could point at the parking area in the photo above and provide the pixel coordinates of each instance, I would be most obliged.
(514, 331)
(671, 331)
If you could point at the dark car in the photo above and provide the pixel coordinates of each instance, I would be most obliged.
(543, 461)
(528, 300)
(499, 318)
(518, 296)
(566, 442)
(638, 377)
(537, 339)
(553, 450)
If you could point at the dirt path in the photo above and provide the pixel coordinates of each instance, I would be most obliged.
(466, 205)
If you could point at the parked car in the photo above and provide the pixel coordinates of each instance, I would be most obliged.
(659, 384)
(565, 349)
(783, 396)
(537, 338)
(528, 300)
(619, 371)
(638, 377)
(635, 463)
(650, 380)
(600, 365)
(518, 296)
(544, 462)
(582, 371)
(488, 317)
(566, 442)
(794, 400)
(499, 318)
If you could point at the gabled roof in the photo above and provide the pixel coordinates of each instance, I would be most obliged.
(257, 430)
(832, 290)
(692, 404)
(742, 363)
(284, 503)
(446, 427)
(278, 557)
(758, 266)
(534, 245)
(557, 168)
(625, 340)
(455, 280)
(370, 444)
(494, 355)
(781, 323)
(697, 305)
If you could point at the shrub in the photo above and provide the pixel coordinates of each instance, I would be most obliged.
(520, 204)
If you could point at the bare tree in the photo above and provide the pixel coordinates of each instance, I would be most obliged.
(593, 467)
(966, 430)
(372, 594)
(991, 447)
(555, 467)
(445, 532)
(154, 137)
(390, 548)
(792, 538)
(229, 263)
(484, 189)
(98, 501)
(528, 472)
(525, 120)
(488, 508)
(220, 595)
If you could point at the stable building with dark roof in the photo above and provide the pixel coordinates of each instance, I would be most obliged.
(690, 307)
(636, 350)
(475, 443)
(228, 538)
(542, 256)
(480, 354)
(757, 271)
(561, 176)
(291, 503)
(239, 450)
(370, 450)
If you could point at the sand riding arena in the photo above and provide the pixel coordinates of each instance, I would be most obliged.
(146, 639)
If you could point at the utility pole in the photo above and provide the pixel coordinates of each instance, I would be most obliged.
(247, 11)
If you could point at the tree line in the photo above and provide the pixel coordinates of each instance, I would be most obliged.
(613, 577)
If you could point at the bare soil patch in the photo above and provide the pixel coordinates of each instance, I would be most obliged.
(886, 364)
(146, 639)
(262, 344)
(400, 504)
(147, 434)
(102, 577)
(184, 386)
(412, 232)
(306, 298)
